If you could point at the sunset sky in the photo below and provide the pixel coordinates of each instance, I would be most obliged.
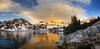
(47, 10)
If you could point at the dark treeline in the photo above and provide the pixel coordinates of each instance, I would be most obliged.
(76, 25)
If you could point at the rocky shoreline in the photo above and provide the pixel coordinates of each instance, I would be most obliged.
(86, 38)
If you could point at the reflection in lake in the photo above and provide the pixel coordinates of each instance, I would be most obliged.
(14, 39)
(50, 37)
(44, 41)
(28, 40)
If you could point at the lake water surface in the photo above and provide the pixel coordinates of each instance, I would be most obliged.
(34, 41)
(44, 41)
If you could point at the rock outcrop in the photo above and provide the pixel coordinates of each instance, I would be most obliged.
(90, 34)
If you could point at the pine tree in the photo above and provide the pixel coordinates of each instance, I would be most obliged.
(73, 26)
(98, 17)
(0, 22)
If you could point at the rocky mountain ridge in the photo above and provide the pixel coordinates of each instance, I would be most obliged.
(15, 24)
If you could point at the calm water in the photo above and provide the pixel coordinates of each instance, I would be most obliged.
(42, 41)
(33, 41)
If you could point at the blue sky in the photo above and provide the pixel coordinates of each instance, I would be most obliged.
(8, 17)
(36, 10)
(94, 8)
(26, 3)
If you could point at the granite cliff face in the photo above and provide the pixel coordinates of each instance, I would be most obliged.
(90, 34)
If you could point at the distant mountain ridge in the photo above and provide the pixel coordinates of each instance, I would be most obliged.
(15, 24)
(15, 21)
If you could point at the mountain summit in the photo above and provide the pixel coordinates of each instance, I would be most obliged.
(15, 24)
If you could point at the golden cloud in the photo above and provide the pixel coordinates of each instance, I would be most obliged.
(29, 15)
(48, 10)
(5, 5)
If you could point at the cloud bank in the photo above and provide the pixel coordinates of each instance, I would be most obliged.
(48, 10)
